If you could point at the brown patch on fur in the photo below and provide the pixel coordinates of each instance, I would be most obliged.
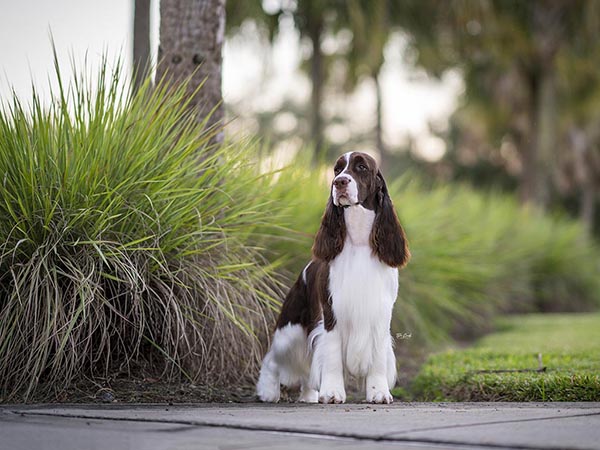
(295, 308)
(307, 303)
(330, 238)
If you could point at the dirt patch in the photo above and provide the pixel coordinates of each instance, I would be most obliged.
(145, 390)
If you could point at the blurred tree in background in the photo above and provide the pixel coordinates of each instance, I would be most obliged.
(529, 117)
(531, 103)
(370, 26)
(312, 18)
(365, 21)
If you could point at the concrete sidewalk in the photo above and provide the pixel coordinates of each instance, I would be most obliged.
(292, 426)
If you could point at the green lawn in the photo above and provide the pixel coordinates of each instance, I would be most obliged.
(569, 345)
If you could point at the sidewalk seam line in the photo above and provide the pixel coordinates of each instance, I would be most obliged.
(496, 422)
(383, 438)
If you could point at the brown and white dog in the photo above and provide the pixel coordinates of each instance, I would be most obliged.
(336, 317)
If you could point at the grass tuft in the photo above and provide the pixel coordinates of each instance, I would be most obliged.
(125, 237)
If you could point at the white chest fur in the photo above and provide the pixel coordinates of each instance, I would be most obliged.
(359, 222)
(363, 291)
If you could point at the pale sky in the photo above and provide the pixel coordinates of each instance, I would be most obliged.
(87, 28)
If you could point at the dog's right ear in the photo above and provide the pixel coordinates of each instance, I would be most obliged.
(329, 241)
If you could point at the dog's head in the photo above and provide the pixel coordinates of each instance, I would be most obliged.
(358, 181)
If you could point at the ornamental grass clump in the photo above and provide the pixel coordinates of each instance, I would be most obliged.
(125, 237)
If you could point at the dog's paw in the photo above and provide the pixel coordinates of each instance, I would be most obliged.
(268, 394)
(379, 396)
(332, 395)
(309, 396)
(268, 397)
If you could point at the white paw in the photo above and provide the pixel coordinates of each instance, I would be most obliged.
(268, 395)
(377, 396)
(332, 395)
(309, 396)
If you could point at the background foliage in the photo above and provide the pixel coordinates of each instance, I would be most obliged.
(527, 120)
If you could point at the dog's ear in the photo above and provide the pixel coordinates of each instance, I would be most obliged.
(329, 241)
(388, 240)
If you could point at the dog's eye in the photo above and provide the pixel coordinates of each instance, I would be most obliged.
(361, 167)
(337, 170)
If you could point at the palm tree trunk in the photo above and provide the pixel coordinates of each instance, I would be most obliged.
(141, 42)
(191, 38)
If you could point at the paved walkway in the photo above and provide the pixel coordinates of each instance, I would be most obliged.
(293, 426)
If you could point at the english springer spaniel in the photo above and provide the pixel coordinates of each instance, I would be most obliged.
(336, 317)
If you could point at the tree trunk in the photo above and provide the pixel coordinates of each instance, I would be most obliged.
(141, 42)
(545, 136)
(528, 174)
(547, 25)
(379, 122)
(583, 177)
(191, 38)
(587, 208)
(318, 80)
(539, 149)
(525, 141)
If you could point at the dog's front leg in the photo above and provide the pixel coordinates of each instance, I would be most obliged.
(332, 370)
(378, 388)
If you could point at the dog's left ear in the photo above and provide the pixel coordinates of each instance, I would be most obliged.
(388, 240)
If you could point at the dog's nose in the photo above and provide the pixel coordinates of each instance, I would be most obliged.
(341, 182)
